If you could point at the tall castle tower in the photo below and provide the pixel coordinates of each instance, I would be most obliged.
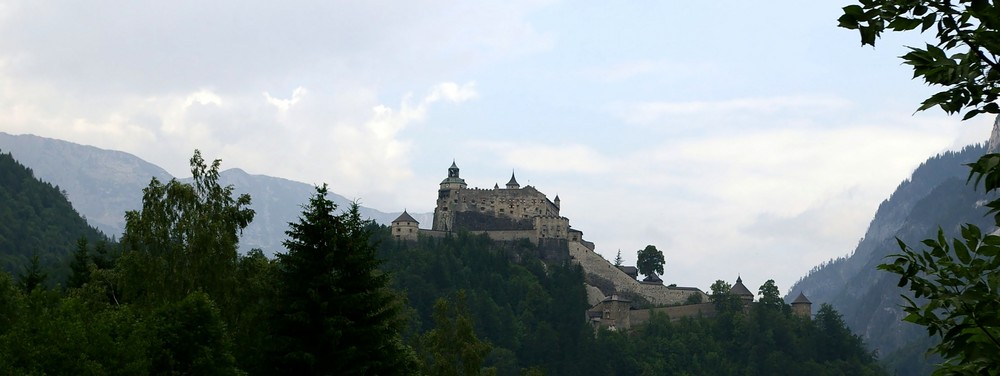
(443, 217)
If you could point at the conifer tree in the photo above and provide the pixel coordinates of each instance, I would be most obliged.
(80, 266)
(336, 314)
(32, 277)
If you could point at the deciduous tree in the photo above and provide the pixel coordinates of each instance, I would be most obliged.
(185, 237)
(769, 295)
(451, 348)
(650, 261)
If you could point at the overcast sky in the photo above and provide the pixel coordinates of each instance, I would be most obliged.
(740, 138)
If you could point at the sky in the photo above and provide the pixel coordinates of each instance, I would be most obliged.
(740, 138)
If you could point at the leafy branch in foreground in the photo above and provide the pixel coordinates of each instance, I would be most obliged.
(960, 284)
(964, 59)
(955, 285)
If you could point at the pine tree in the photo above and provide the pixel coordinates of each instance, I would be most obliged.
(32, 277)
(336, 314)
(80, 266)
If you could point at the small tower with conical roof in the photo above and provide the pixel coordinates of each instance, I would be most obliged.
(802, 306)
(512, 184)
(405, 227)
(556, 201)
(740, 290)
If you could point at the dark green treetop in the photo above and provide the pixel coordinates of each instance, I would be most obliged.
(336, 314)
(650, 261)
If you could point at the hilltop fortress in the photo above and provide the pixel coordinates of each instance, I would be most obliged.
(509, 213)
(514, 213)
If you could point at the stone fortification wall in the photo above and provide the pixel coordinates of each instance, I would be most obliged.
(640, 316)
(515, 204)
(477, 221)
(495, 235)
(593, 263)
(552, 227)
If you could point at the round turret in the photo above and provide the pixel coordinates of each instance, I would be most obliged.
(405, 227)
(802, 306)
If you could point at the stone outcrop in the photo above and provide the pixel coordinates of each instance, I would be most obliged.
(993, 146)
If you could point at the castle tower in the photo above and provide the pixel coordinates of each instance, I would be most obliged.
(512, 184)
(556, 201)
(453, 181)
(447, 197)
(802, 306)
(405, 227)
(742, 291)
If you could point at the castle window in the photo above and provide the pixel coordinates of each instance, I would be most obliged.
(398, 229)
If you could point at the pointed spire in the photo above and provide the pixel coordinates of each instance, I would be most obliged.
(512, 184)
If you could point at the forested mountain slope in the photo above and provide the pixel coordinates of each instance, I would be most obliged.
(936, 195)
(35, 218)
(101, 184)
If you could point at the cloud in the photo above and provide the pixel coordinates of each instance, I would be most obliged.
(149, 48)
(544, 158)
(649, 112)
(284, 104)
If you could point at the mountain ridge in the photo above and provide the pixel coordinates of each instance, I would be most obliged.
(936, 196)
(103, 184)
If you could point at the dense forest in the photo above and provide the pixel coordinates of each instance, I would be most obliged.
(36, 219)
(175, 297)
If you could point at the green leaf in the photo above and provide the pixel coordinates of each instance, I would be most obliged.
(903, 23)
(962, 252)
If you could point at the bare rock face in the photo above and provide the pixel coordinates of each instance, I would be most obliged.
(994, 145)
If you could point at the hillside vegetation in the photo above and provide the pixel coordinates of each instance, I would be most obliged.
(344, 299)
(36, 218)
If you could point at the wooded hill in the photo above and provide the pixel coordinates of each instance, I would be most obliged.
(180, 299)
(36, 218)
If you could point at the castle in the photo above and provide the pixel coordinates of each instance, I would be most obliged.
(514, 213)
(507, 214)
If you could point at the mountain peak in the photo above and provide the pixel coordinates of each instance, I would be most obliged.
(994, 145)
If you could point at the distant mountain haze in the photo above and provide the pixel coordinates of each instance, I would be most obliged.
(936, 195)
(104, 184)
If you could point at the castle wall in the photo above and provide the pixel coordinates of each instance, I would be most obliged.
(657, 294)
(495, 235)
(514, 205)
(640, 316)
